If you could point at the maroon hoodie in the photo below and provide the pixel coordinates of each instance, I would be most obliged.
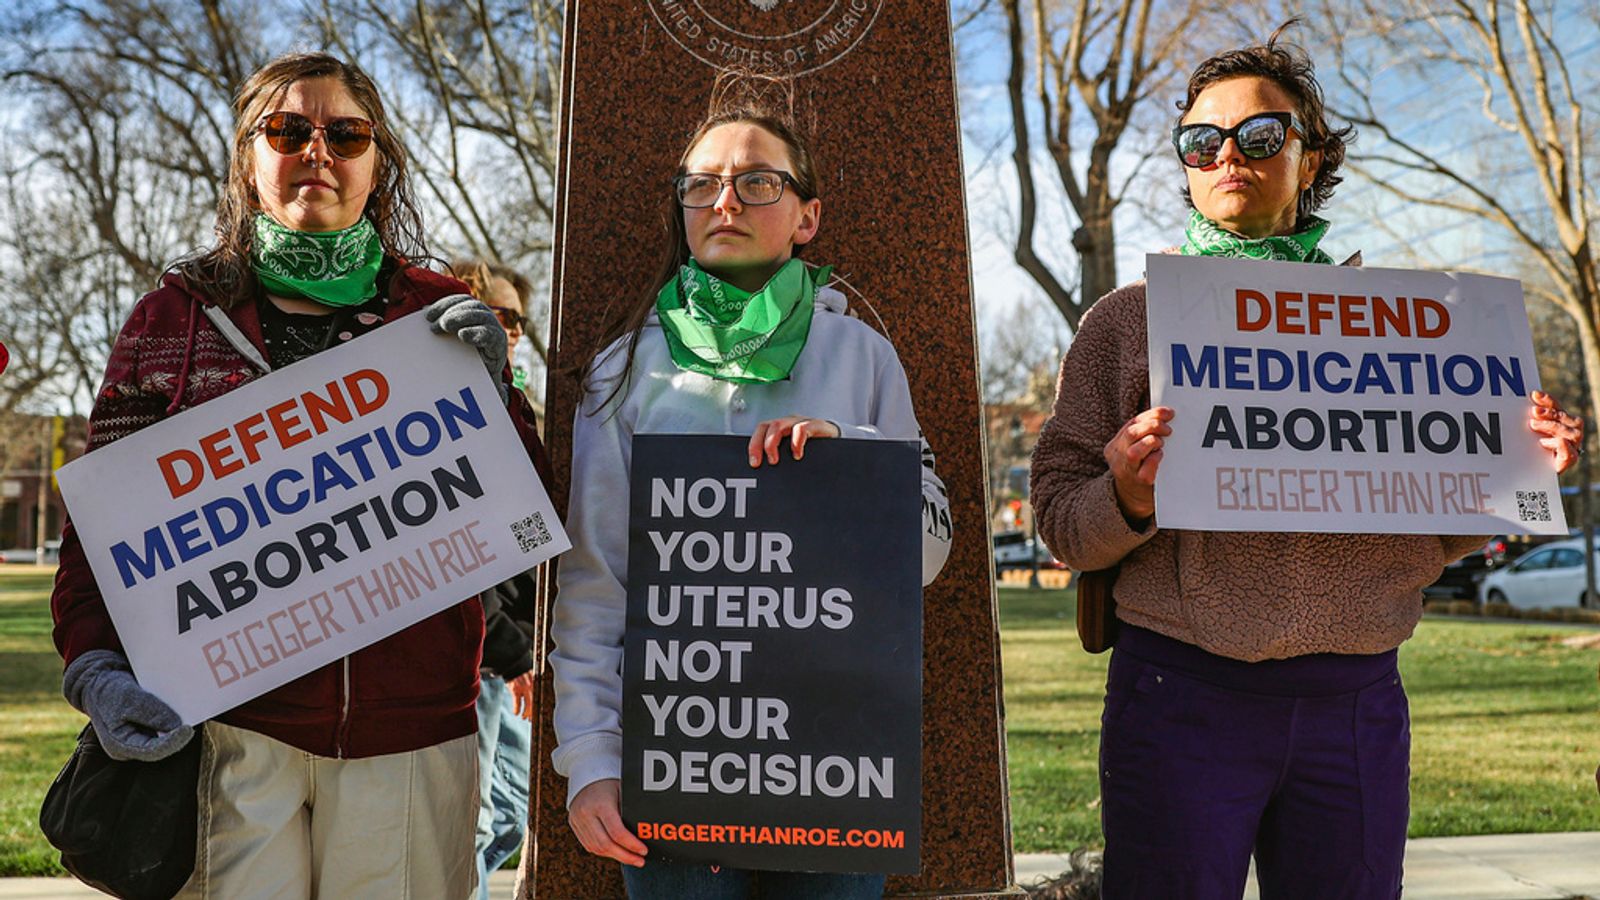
(412, 689)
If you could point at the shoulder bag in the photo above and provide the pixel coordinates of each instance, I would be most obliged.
(1097, 609)
(125, 827)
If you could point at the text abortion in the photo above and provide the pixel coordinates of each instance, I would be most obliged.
(354, 527)
(1267, 370)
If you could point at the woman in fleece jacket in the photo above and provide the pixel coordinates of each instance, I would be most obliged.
(781, 363)
(357, 779)
(1253, 703)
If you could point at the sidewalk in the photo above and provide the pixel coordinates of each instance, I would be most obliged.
(1486, 867)
(1483, 867)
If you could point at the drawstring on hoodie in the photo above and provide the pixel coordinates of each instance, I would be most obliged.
(188, 358)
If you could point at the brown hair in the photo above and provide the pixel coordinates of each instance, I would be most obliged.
(737, 96)
(1287, 66)
(476, 274)
(224, 269)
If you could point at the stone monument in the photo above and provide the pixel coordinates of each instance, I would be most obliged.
(875, 87)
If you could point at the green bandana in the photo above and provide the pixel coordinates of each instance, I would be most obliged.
(334, 268)
(1203, 237)
(719, 330)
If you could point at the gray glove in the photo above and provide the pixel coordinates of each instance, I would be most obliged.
(131, 722)
(476, 326)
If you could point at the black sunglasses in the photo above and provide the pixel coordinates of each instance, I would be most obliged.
(1261, 136)
(290, 133)
(509, 318)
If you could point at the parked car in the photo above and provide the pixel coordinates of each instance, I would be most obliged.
(1015, 550)
(1548, 575)
(1460, 579)
(52, 553)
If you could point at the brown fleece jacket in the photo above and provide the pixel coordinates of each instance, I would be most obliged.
(1243, 595)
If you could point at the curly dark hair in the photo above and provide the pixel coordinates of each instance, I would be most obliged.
(1287, 66)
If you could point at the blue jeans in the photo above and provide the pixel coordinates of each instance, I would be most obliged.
(505, 747)
(696, 881)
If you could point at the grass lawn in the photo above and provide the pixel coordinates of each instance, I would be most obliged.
(1505, 726)
(37, 727)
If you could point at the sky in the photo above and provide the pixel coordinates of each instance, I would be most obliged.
(1364, 217)
(1442, 112)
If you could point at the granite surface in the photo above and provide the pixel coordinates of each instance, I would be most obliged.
(876, 90)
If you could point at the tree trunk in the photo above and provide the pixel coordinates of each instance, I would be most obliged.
(1096, 243)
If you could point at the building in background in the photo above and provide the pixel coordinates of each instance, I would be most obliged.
(31, 449)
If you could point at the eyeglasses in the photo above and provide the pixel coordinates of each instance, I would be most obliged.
(758, 187)
(1259, 137)
(510, 319)
(291, 133)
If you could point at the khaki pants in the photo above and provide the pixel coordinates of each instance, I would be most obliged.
(282, 823)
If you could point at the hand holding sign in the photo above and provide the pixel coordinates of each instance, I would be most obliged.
(1133, 456)
(769, 434)
(1560, 433)
(471, 321)
(596, 818)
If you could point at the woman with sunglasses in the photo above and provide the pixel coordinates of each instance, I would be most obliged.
(507, 689)
(738, 336)
(1253, 704)
(506, 292)
(357, 779)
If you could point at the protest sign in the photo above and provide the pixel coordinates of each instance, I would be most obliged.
(772, 669)
(319, 509)
(1344, 399)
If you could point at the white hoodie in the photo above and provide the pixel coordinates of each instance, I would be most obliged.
(847, 374)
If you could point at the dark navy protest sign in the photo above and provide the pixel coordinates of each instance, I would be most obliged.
(772, 673)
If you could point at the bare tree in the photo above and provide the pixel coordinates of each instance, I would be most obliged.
(474, 87)
(118, 128)
(1021, 348)
(1085, 70)
(112, 161)
(1530, 97)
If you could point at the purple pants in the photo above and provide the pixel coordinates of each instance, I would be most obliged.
(1205, 760)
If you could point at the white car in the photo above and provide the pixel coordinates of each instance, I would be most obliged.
(1548, 575)
(28, 555)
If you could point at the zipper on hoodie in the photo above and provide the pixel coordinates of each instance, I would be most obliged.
(342, 735)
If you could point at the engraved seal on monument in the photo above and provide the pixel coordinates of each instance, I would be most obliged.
(794, 35)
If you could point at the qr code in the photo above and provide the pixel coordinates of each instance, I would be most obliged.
(1533, 506)
(531, 533)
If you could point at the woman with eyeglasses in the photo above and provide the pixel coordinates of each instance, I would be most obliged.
(357, 779)
(739, 336)
(1253, 704)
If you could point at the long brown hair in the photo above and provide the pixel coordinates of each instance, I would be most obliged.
(223, 271)
(477, 274)
(737, 97)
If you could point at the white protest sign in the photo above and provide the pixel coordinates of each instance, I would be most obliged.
(1345, 399)
(308, 514)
